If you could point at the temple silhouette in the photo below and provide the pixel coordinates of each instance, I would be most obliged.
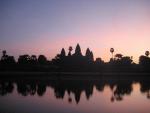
(75, 62)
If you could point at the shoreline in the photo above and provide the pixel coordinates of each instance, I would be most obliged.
(72, 73)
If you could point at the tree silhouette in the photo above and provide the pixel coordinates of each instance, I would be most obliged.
(4, 52)
(99, 61)
(126, 60)
(118, 56)
(6, 59)
(33, 59)
(42, 59)
(112, 51)
(4, 55)
(144, 61)
(24, 59)
(147, 53)
(70, 49)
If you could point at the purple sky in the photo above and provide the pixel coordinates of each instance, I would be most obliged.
(45, 26)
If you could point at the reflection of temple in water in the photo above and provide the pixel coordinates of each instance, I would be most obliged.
(119, 88)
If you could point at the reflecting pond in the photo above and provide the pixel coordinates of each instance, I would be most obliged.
(75, 94)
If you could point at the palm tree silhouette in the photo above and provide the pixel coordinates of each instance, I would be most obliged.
(147, 53)
(70, 49)
(4, 55)
(112, 50)
(4, 52)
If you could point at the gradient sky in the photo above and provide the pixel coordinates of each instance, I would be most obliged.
(45, 26)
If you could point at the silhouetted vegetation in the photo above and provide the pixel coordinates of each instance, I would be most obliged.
(73, 62)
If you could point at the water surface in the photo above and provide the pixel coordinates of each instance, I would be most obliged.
(72, 94)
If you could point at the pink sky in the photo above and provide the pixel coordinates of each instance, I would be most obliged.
(99, 25)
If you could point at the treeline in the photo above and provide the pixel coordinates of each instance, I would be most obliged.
(75, 62)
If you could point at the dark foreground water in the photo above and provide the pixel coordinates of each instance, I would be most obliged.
(75, 94)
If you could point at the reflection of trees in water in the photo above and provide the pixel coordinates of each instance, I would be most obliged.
(6, 87)
(145, 88)
(31, 87)
(26, 88)
(121, 89)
